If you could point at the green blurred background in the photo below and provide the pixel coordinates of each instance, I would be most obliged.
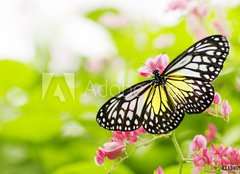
(47, 120)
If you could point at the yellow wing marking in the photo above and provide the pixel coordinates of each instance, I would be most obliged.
(158, 100)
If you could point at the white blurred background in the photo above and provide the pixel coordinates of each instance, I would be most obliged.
(61, 25)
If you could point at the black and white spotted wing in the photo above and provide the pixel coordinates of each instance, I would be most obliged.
(203, 60)
(123, 111)
(160, 114)
(160, 107)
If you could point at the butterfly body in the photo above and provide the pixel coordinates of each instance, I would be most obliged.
(159, 104)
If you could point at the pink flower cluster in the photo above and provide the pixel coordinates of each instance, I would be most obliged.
(159, 63)
(196, 13)
(211, 132)
(225, 108)
(213, 158)
(116, 147)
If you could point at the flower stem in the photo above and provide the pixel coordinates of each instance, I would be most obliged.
(179, 151)
(136, 148)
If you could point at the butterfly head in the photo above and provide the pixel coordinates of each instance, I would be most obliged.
(156, 72)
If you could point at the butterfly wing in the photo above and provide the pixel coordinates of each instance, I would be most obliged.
(160, 108)
(188, 77)
(202, 61)
(160, 114)
(194, 95)
(187, 85)
(123, 111)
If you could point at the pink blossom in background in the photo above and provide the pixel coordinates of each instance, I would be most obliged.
(225, 108)
(197, 28)
(211, 132)
(199, 141)
(159, 170)
(220, 150)
(198, 10)
(196, 170)
(234, 157)
(216, 157)
(221, 27)
(112, 20)
(198, 160)
(178, 4)
(217, 98)
(164, 40)
(159, 63)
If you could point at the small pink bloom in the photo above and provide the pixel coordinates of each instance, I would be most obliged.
(99, 158)
(217, 98)
(112, 20)
(199, 141)
(158, 63)
(211, 132)
(224, 161)
(196, 27)
(159, 170)
(220, 27)
(99, 161)
(207, 156)
(198, 160)
(220, 150)
(114, 150)
(234, 157)
(141, 130)
(178, 4)
(163, 41)
(144, 71)
(131, 137)
(119, 135)
(225, 108)
(196, 170)
(197, 10)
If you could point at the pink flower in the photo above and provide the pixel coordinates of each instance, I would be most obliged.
(196, 170)
(196, 27)
(217, 98)
(198, 160)
(164, 40)
(112, 20)
(199, 141)
(220, 150)
(207, 155)
(211, 132)
(99, 158)
(198, 10)
(141, 130)
(202, 158)
(225, 108)
(234, 157)
(159, 170)
(158, 63)
(111, 150)
(220, 27)
(224, 161)
(114, 150)
(131, 136)
(178, 4)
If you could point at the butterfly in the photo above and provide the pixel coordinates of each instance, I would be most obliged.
(159, 104)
